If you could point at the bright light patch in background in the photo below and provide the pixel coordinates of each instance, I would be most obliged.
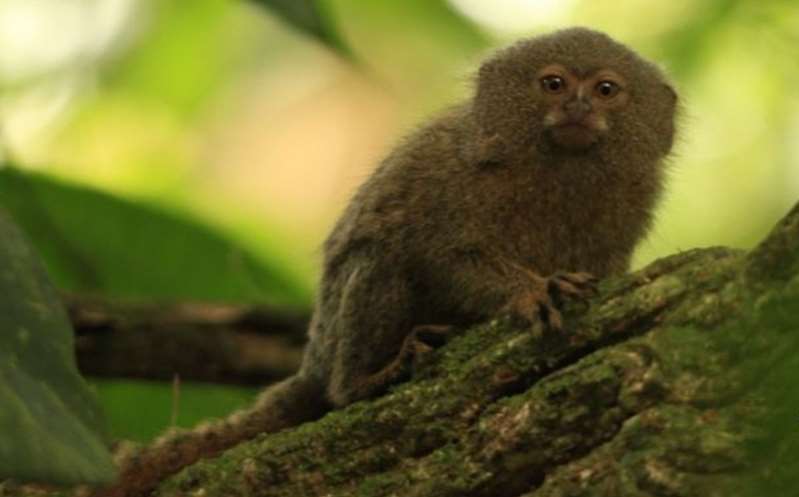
(48, 52)
(37, 35)
(516, 16)
(42, 35)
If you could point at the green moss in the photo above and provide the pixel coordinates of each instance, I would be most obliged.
(631, 386)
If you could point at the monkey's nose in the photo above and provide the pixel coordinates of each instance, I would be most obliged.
(577, 108)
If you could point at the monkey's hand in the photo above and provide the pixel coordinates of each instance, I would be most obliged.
(546, 297)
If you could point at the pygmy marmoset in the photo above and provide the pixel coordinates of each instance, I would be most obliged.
(507, 203)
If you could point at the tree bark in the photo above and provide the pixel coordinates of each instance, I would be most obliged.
(679, 380)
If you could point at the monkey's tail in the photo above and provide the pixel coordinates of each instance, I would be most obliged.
(289, 403)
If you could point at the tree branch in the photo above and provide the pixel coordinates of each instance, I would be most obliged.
(196, 341)
(678, 381)
(501, 411)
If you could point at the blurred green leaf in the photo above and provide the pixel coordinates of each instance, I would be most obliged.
(189, 51)
(141, 410)
(436, 18)
(420, 48)
(311, 17)
(49, 418)
(182, 60)
(95, 242)
(687, 45)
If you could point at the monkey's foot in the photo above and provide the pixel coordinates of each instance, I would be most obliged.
(419, 342)
(546, 300)
(580, 286)
(422, 340)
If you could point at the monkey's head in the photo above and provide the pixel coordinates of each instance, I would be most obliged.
(575, 91)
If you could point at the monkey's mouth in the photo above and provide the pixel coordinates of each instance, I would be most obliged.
(574, 135)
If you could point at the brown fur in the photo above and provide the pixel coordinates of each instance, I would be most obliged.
(466, 219)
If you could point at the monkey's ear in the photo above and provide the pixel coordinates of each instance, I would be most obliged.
(672, 92)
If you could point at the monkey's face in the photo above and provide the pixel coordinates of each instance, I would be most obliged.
(575, 91)
(576, 108)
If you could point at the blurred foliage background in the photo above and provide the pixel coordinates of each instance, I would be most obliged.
(167, 149)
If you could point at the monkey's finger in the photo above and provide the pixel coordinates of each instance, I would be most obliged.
(579, 285)
(409, 350)
(551, 316)
(562, 287)
(579, 278)
(561, 291)
(420, 348)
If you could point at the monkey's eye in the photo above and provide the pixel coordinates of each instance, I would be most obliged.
(553, 84)
(607, 89)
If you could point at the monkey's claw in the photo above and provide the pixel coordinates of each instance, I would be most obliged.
(551, 315)
(563, 286)
(580, 286)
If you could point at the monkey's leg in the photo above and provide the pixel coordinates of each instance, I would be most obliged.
(375, 341)
(415, 345)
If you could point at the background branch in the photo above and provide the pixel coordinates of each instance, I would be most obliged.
(196, 341)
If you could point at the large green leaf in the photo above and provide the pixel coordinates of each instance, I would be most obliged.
(311, 17)
(48, 417)
(95, 242)
(191, 49)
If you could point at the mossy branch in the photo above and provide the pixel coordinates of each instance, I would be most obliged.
(678, 381)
